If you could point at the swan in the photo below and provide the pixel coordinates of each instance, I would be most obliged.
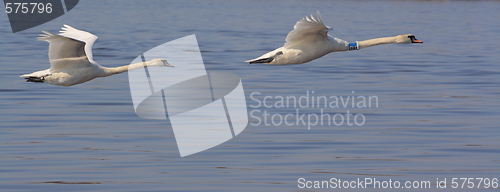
(71, 61)
(309, 40)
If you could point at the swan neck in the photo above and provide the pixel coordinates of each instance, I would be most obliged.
(117, 70)
(377, 41)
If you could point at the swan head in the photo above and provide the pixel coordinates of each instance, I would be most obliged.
(407, 39)
(159, 63)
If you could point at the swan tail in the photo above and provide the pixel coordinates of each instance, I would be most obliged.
(266, 58)
(37, 77)
(41, 73)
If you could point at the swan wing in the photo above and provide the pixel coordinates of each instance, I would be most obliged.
(307, 30)
(84, 36)
(65, 53)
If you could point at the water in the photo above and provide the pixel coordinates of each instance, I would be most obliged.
(437, 115)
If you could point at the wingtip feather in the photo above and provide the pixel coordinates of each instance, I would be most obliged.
(66, 29)
(44, 37)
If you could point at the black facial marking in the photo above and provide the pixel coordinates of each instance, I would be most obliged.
(412, 38)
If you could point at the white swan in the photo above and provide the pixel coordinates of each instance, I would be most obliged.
(309, 40)
(70, 55)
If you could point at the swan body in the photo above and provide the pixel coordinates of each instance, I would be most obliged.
(309, 40)
(70, 56)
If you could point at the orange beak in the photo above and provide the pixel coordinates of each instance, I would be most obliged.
(415, 40)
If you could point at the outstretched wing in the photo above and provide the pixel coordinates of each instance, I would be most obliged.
(65, 53)
(88, 38)
(307, 30)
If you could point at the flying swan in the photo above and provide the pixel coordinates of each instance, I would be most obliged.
(309, 40)
(70, 56)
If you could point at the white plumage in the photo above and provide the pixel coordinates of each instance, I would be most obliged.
(71, 62)
(309, 40)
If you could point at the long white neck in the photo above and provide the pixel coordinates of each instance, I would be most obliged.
(377, 41)
(116, 70)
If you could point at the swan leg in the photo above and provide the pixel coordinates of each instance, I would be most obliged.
(35, 79)
(265, 60)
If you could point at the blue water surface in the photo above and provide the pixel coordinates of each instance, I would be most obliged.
(437, 115)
